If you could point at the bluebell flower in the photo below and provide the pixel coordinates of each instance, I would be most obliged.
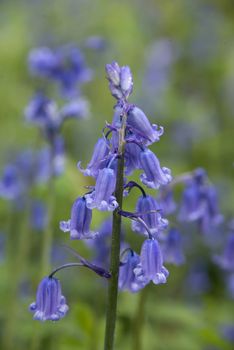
(132, 158)
(154, 220)
(127, 277)
(172, 248)
(200, 203)
(102, 197)
(198, 279)
(151, 264)
(154, 176)
(11, 186)
(166, 201)
(39, 217)
(75, 108)
(65, 65)
(98, 160)
(79, 224)
(120, 80)
(42, 112)
(226, 260)
(50, 303)
(140, 126)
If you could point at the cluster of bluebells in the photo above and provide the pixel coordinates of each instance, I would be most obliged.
(199, 199)
(136, 271)
(66, 67)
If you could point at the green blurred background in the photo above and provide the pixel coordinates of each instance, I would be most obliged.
(195, 106)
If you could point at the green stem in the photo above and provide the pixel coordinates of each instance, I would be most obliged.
(139, 319)
(115, 246)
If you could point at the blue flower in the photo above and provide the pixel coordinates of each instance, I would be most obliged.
(141, 128)
(127, 277)
(120, 80)
(98, 160)
(65, 65)
(144, 207)
(11, 186)
(39, 217)
(226, 260)
(151, 264)
(172, 248)
(154, 176)
(50, 303)
(79, 224)
(102, 197)
(132, 158)
(166, 200)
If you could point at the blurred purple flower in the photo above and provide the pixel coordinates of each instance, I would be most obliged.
(39, 216)
(172, 248)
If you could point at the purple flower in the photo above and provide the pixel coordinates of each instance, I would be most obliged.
(154, 176)
(50, 303)
(120, 80)
(227, 332)
(140, 126)
(96, 43)
(151, 264)
(200, 203)
(76, 108)
(11, 185)
(58, 155)
(79, 224)
(153, 220)
(102, 197)
(98, 159)
(127, 277)
(172, 248)
(132, 158)
(226, 260)
(39, 217)
(166, 200)
(42, 112)
(65, 65)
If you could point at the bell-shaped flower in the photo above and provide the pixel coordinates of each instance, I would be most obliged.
(166, 201)
(154, 176)
(172, 248)
(79, 224)
(127, 277)
(226, 260)
(141, 127)
(132, 158)
(102, 197)
(50, 303)
(98, 160)
(11, 185)
(151, 264)
(147, 209)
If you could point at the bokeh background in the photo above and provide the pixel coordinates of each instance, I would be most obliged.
(181, 54)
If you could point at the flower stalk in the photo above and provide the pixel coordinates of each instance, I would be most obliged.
(115, 245)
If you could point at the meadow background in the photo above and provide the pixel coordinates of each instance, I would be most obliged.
(181, 54)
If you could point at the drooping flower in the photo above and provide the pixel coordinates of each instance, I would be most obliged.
(226, 260)
(50, 303)
(148, 210)
(132, 158)
(141, 127)
(172, 248)
(154, 176)
(39, 216)
(151, 264)
(10, 184)
(166, 201)
(79, 224)
(102, 197)
(98, 160)
(127, 277)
